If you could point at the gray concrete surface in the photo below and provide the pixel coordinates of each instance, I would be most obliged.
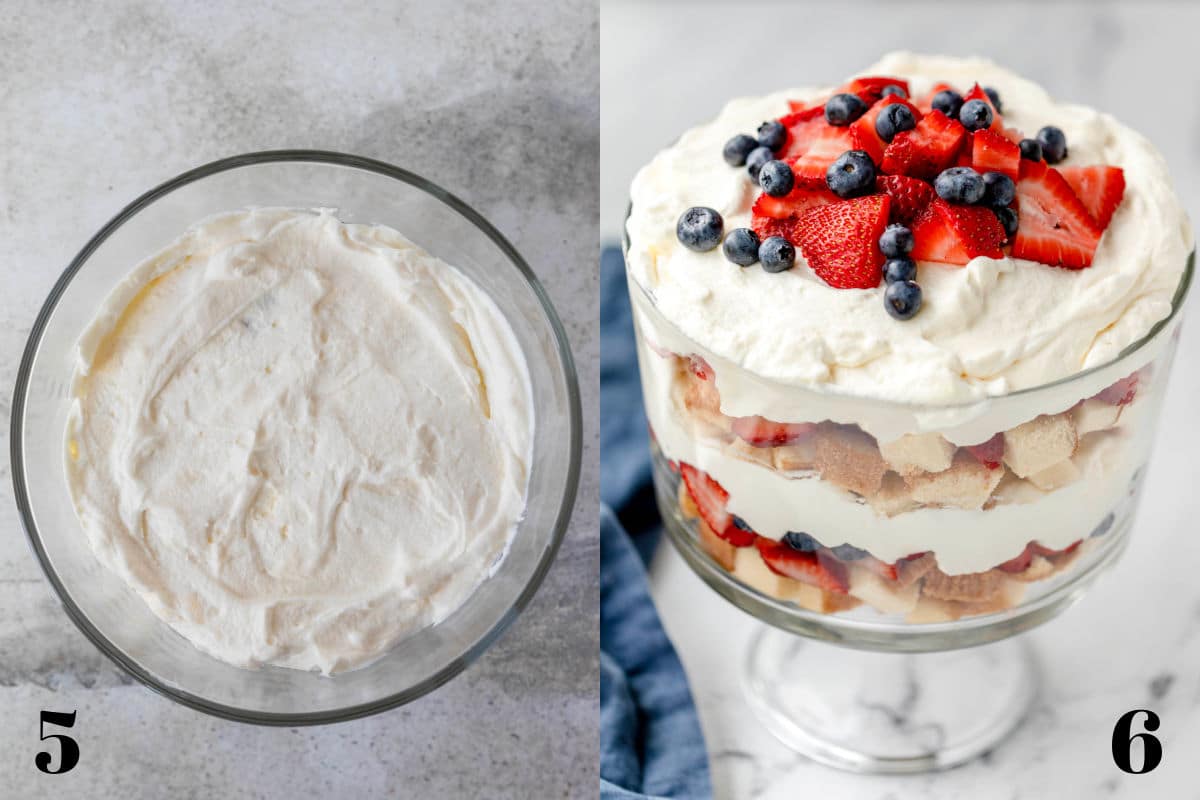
(497, 102)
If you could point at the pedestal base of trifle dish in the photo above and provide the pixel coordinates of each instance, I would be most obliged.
(888, 713)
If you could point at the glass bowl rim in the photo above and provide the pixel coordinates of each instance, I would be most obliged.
(1177, 302)
(566, 364)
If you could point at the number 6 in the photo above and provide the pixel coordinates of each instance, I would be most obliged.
(70, 750)
(1122, 742)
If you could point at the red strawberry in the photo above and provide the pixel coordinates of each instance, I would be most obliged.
(1020, 563)
(870, 87)
(865, 125)
(840, 241)
(977, 93)
(762, 432)
(909, 196)
(826, 573)
(925, 101)
(990, 453)
(991, 152)
(778, 216)
(1099, 188)
(1055, 228)
(710, 499)
(824, 148)
(1013, 135)
(803, 125)
(1122, 392)
(954, 234)
(927, 149)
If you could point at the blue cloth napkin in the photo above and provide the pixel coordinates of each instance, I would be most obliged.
(650, 740)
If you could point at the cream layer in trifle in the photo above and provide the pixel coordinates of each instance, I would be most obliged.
(898, 338)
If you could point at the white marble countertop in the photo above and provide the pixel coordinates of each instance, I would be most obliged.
(1134, 641)
(101, 102)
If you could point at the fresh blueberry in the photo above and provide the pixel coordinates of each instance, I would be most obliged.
(994, 96)
(776, 254)
(896, 241)
(851, 175)
(758, 156)
(842, 109)
(776, 178)
(737, 148)
(899, 269)
(975, 115)
(949, 102)
(740, 524)
(998, 190)
(893, 119)
(848, 552)
(894, 90)
(772, 135)
(1054, 144)
(700, 229)
(801, 541)
(961, 185)
(741, 246)
(902, 299)
(1031, 149)
(1008, 219)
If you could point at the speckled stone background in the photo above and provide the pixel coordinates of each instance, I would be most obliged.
(498, 102)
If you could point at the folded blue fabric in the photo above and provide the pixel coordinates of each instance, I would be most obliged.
(650, 740)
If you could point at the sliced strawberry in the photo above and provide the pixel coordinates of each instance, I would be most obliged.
(710, 499)
(953, 234)
(803, 125)
(823, 149)
(991, 152)
(1013, 135)
(927, 149)
(865, 125)
(699, 367)
(909, 196)
(778, 216)
(1122, 392)
(977, 93)
(828, 573)
(762, 432)
(870, 87)
(1099, 188)
(990, 453)
(840, 241)
(925, 101)
(1020, 563)
(1055, 228)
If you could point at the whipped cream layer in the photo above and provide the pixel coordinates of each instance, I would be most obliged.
(990, 328)
(299, 440)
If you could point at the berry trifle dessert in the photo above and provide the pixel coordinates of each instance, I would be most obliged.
(903, 341)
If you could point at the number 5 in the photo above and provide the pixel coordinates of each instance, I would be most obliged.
(1122, 742)
(69, 749)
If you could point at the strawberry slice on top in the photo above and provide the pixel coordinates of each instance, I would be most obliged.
(925, 101)
(992, 152)
(871, 141)
(710, 499)
(927, 149)
(870, 87)
(953, 234)
(778, 216)
(761, 432)
(1099, 188)
(1055, 227)
(824, 148)
(807, 567)
(803, 125)
(977, 93)
(840, 241)
(909, 196)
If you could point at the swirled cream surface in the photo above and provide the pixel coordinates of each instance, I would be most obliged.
(990, 328)
(299, 440)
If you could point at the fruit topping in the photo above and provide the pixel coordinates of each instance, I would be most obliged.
(871, 130)
(737, 148)
(842, 109)
(1054, 144)
(1009, 221)
(902, 299)
(873, 87)
(823, 149)
(699, 229)
(827, 574)
(994, 97)
(927, 149)
(893, 91)
(899, 269)
(896, 241)
(778, 216)
(762, 432)
(772, 135)
(852, 174)
(776, 254)
(894, 118)
(710, 499)
(998, 190)
(754, 162)
(741, 246)
(776, 178)
(1031, 149)
(961, 185)
(1099, 188)
(976, 115)
(947, 101)
(956, 234)
(991, 152)
(909, 196)
(1055, 227)
(989, 453)
(841, 241)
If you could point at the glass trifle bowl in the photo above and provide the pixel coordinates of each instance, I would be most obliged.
(913, 531)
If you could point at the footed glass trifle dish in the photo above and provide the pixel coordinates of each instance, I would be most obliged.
(907, 423)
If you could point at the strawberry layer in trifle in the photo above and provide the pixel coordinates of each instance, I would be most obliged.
(903, 341)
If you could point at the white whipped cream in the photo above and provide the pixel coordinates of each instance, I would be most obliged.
(990, 328)
(299, 440)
